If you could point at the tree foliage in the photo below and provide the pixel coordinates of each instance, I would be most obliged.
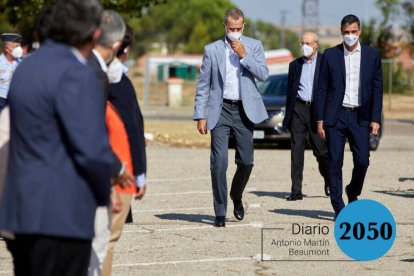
(181, 25)
(22, 13)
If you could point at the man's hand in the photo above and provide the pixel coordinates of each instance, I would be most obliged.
(115, 201)
(202, 126)
(125, 179)
(141, 192)
(321, 131)
(374, 128)
(238, 47)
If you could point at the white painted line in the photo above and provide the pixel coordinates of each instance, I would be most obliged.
(186, 262)
(251, 189)
(253, 205)
(181, 193)
(251, 224)
(256, 224)
(172, 209)
(6, 272)
(183, 179)
(265, 257)
(178, 179)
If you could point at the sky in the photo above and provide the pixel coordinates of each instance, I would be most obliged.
(331, 11)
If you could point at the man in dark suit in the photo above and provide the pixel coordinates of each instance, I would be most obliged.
(60, 159)
(349, 106)
(300, 118)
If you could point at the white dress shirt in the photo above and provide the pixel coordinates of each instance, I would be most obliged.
(232, 85)
(352, 82)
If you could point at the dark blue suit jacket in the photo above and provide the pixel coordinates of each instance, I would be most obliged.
(295, 72)
(331, 90)
(122, 95)
(60, 159)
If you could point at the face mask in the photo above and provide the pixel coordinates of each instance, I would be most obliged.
(307, 50)
(115, 71)
(234, 35)
(17, 52)
(350, 40)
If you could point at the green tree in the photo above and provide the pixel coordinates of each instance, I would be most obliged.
(182, 25)
(22, 13)
(408, 10)
(389, 9)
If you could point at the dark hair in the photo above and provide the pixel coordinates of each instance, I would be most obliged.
(126, 41)
(43, 24)
(234, 13)
(73, 22)
(350, 19)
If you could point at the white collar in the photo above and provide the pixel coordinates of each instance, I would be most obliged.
(79, 56)
(102, 63)
(357, 49)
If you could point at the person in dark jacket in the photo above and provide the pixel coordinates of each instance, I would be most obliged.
(122, 95)
(300, 113)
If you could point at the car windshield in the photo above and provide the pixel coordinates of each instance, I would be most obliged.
(273, 86)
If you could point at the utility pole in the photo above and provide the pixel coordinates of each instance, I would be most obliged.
(282, 28)
(310, 16)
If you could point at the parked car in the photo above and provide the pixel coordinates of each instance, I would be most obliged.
(273, 91)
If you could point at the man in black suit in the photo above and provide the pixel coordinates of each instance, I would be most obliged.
(300, 118)
(349, 106)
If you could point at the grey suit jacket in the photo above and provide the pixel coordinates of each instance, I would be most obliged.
(210, 86)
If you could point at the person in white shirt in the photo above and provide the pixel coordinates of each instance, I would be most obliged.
(349, 107)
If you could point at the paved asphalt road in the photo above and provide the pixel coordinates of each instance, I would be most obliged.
(172, 232)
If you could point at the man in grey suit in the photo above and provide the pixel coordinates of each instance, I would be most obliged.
(228, 101)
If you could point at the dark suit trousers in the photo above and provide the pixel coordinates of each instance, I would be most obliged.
(347, 127)
(301, 125)
(49, 256)
(232, 120)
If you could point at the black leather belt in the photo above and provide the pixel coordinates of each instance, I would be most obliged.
(233, 102)
(299, 100)
(350, 109)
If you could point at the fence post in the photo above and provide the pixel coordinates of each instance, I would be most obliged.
(390, 83)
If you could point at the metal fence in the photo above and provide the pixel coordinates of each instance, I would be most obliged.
(398, 78)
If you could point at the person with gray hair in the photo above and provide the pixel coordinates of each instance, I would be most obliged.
(112, 28)
(299, 119)
(228, 101)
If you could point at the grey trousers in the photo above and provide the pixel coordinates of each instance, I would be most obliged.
(232, 120)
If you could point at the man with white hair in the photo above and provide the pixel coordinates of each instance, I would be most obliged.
(300, 113)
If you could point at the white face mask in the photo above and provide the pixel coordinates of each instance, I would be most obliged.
(17, 52)
(115, 71)
(306, 50)
(234, 35)
(350, 40)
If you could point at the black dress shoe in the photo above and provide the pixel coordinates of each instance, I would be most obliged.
(327, 191)
(351, 198)
(238, 210)
(220, 221)
(293, 197)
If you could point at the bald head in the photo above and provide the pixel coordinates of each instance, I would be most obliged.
(309, 38)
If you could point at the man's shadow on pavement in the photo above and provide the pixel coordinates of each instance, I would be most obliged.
(315, 214)
(401, 193)
(282, 195)
(188, 217)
